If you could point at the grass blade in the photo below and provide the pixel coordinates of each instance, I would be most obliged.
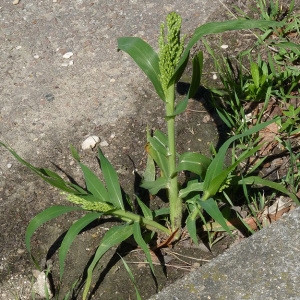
(112, 181)
(114, 236)
(138, 296)
(211, 207)
(140, 241)
(49, 176)
(46, 215)
(71, 235)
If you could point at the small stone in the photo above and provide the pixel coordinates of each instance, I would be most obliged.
(16, 2)
(104, 144)
(18, 47)
(64, 64)
(49, 97)
(68, 55)
(20, 251)
(42, 286)
(90, 142)
(215, 76)
(224, 46)
(113, 135)
(54, 1)
(36, 56)
(9, 166)
(71, 62)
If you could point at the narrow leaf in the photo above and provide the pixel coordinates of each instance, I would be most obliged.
(149, 173)
(138, 296)
(113, 236)
(140, 241)
(218, 27)
(217, 163)
(47, 175)
(145, 209)
(274, 185)
(112, 181)
(145, 57)
(196, 75)
(211, 207)
(94, 184)
(46, 215)
(160, 159)
(71, 235)
(191, 228)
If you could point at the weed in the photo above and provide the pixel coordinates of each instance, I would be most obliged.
(201, 193)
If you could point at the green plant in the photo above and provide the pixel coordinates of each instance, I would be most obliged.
(202, 192)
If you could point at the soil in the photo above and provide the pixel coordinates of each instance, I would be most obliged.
(48, 102)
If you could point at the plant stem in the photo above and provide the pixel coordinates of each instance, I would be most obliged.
(129, 216)
(174, 201)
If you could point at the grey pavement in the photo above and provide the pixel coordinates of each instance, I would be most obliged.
(265, 266)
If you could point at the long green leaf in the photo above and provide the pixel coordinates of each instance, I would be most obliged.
(196, 75)
(145, 57)
(93, 183)
(217, 164)
(160, 159)
(47, 175)
(194, 86)
(219, 179)
(46, 215)
(211, 207)
(71, 235)
(113, 236)
(149, 173)
(191, 228)
(218, 27)
(140, 241)
(112, 181)
(145, 209)
(138, 296)
(193, 162)
(274, 185)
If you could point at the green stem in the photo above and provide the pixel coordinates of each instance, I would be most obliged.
(129, 216)
(174, 201)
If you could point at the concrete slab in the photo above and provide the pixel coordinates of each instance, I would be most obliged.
(264, 266)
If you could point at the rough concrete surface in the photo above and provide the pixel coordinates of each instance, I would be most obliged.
(265, 266)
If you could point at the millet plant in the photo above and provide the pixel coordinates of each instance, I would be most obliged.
(98, 198)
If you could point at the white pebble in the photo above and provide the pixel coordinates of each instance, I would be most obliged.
(36, 56)
(16, 2)
(9, 166)
(104, 144)
(224, 46)
(113, 135)
(90, 142)
(64, 64)
(68, 55)
(18, 47)
(41, 285)
(215, 76)
(71, 62)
